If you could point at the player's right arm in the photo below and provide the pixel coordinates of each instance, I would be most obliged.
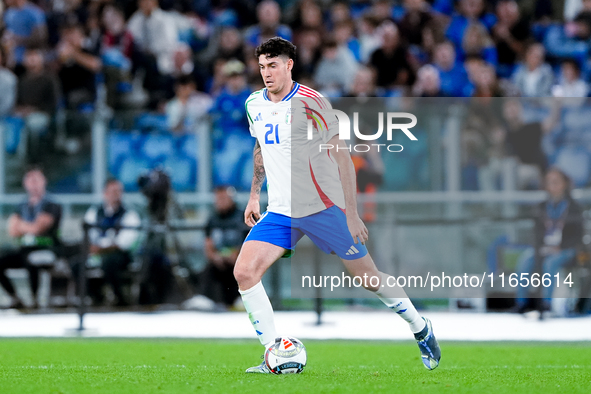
(252, 213)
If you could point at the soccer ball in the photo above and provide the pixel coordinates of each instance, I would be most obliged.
(286, 355)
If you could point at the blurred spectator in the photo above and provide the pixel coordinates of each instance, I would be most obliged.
(336, 69)
(110, 246)
(534, 78)
(452, 74)
(485, 82)
(78, 68)
(155, 33)
(227, 44)
(308, 54)
(432, 35)
(473, 65)
(572, 8)
(580, 27)
(25, 27)
(363, 84)
(117, 53)
(381, 10)
(524, 142)
(309, 18)
(253, 74)
(183, 62)
(477, 42)
(224, 233)
(428, 83)
(416, 18)
(37, 99)
(8, 87)
(269, 17)
(571, 39)
(469, 11)
(339, 12)
(188, 107)
(35, 225)
(344, 35)
(391, 59)
(509, 33)
(570, 82)
(230, 45)
(369, 36)
(66, 12)
(558, 234)
(232, 140)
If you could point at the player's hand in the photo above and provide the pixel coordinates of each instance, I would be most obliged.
(252, 213)
(357, 229)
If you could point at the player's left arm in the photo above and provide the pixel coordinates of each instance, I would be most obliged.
(356, 226)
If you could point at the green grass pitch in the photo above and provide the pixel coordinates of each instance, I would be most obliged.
(217, 366)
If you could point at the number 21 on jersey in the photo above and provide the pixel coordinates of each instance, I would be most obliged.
(272, 129)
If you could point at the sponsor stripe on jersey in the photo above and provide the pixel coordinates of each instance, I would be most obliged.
(327, 201)
(313, 98)
(310, 113)
(307, 92)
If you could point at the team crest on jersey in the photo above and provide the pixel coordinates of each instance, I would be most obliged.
(274, 113)
(288, 116)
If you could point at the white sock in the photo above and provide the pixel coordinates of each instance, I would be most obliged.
(260, 312)
(402, 306)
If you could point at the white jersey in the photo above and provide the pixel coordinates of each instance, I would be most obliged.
(301, 178)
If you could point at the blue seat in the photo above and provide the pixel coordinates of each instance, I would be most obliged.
(129, 171)
(182, 172)
(157, 147)
(151, 122)
(188, 146)
(120, 144)
(576, 163)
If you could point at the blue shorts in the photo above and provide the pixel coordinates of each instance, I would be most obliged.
(327, 229)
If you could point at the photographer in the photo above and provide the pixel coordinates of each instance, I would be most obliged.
(110, 246)
(35, 224)
(157, 268)
(225, 232)
(559, 232)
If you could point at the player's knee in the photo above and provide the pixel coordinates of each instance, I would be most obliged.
(245, 276)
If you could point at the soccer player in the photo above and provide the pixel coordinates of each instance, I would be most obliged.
(323, 201)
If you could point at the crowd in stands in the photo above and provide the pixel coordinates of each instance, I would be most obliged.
(190, 59)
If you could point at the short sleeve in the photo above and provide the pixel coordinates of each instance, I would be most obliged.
(332, 128)
(249, 117)
(251, 128)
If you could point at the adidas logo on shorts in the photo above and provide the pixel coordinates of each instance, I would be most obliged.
(352, 250)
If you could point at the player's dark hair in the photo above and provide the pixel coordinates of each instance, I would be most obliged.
(275, 47)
